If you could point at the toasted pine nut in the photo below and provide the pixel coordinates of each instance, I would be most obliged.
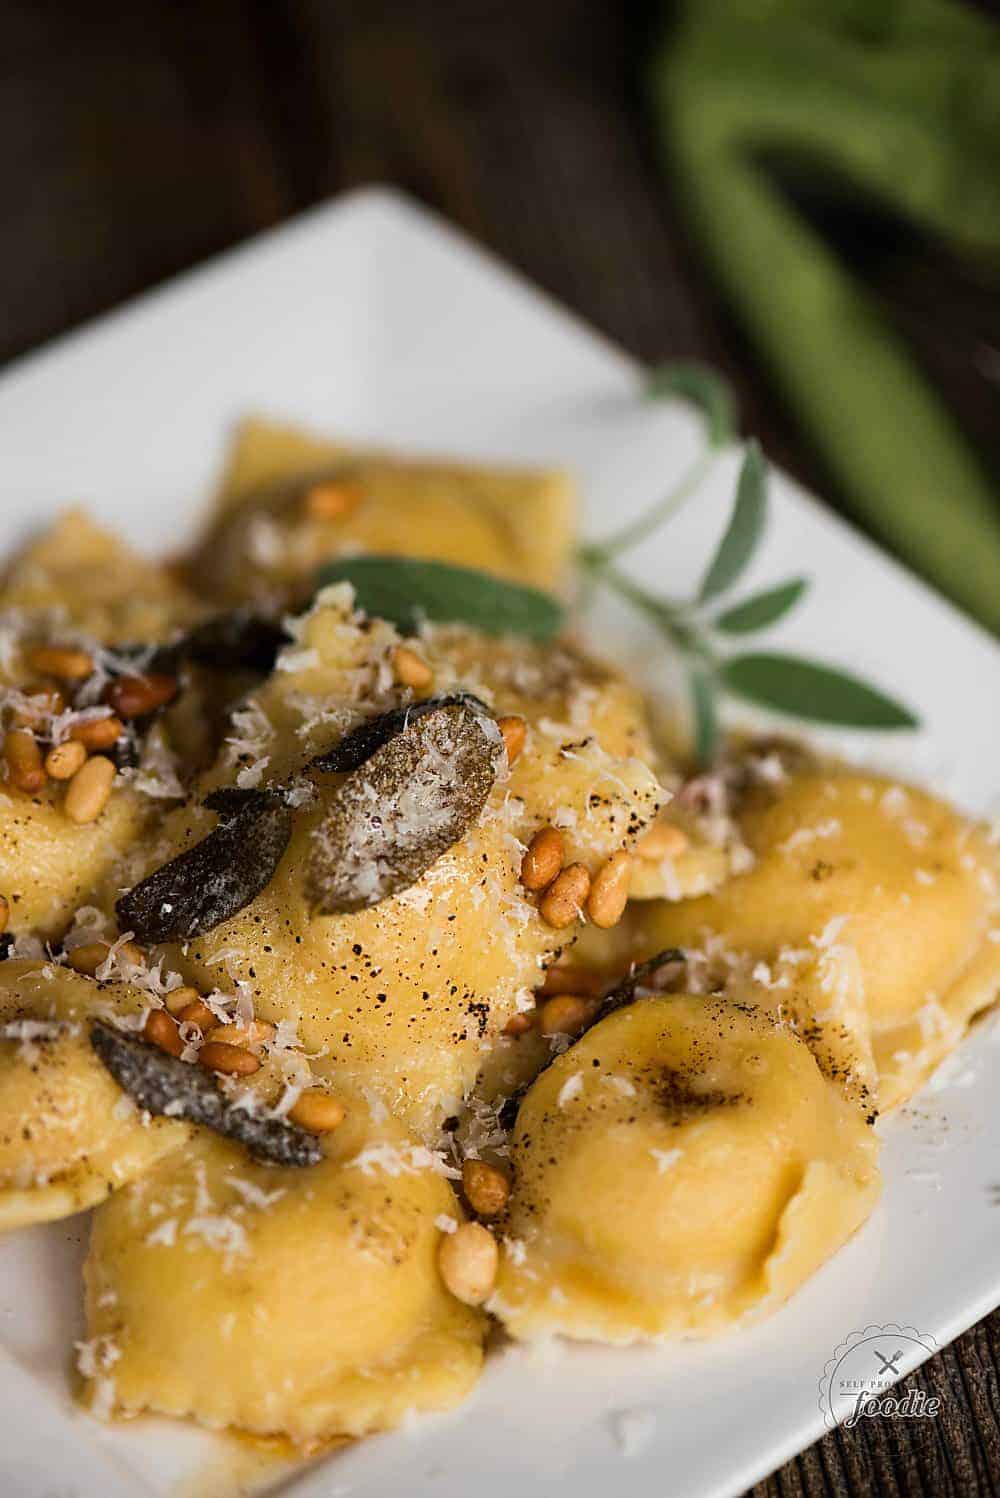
(486, 1188)
(609, 891)
(565, 1015)
(520, 1024)
(135, 696)
(161, 1031)
(64, 662)
(254, 1033)
(543, 860)
(663, 840)
(24, 760)
(231, 1059)
(130, 951)
(317, 1112)
(514, 731)
(564, 900)
(178, 999)
(96, 734)
(331, 500)
(88, 957)
(198, 1013)
(88, 791)
(64, 760)
(4, 913)
(410, 669)
(43, 702)
(568, 979)
(467, 1262)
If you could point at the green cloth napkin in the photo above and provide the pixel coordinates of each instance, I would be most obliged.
(901, 98)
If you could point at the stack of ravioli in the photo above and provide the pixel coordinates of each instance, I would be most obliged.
(809, 945)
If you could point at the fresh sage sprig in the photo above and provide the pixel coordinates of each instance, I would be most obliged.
(697, 627)
(406, 590)
(712, 397)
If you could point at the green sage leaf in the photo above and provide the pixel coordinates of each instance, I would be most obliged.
(762, 609)
(705, 388)
(745, 528)
(406, 590)
(706, 719)
(805, 689)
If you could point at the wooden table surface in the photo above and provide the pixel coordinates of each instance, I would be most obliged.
(139, 139)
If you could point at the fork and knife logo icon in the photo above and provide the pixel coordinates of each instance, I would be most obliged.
(889, 1366)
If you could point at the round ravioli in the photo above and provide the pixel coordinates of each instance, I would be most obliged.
(407, 995)
(303, 1303)
(68, 1135)
(887, 871)
(684, 1164)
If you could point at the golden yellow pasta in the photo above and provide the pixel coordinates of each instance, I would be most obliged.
(407, 995)
(291, 501)
(683, 1165)
(305, 1303)
(865, 865)
(68, 1135)
(89, 578)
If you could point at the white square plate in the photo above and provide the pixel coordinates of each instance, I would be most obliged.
(369, 319)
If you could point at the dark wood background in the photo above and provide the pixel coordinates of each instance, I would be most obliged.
(138, 139)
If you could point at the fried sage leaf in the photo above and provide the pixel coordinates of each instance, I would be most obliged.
(240, 640)
(215, 879)
(391, 818)
(164, 1085)
(358, 746)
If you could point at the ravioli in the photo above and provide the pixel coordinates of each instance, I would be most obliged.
(406, 996)
(265, 544)
(302, 1303)
(78, 582)
(865, 865)
(92, 580)
(68, 1136)
(683, 1165)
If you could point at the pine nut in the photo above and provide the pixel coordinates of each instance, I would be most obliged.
(565, 1015)
(514, 731)
(663, 840)
(409, 669)
(64, 760)
(88, 957)
(88, 791)
(135, 696)
(64, 662)
(564, 900)
(331, 500)
(486, 1188)
(24, 760)
(609, 891)
(543, 860)
(43, 702)
(231, 1059)
(568, 979)
(96, 734)
(254, 1033)
(467, 1261)
(178, 999)
(198, 1013)
(4, 913)
(520, 1024)
(317, 1112)
(161, 1031)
